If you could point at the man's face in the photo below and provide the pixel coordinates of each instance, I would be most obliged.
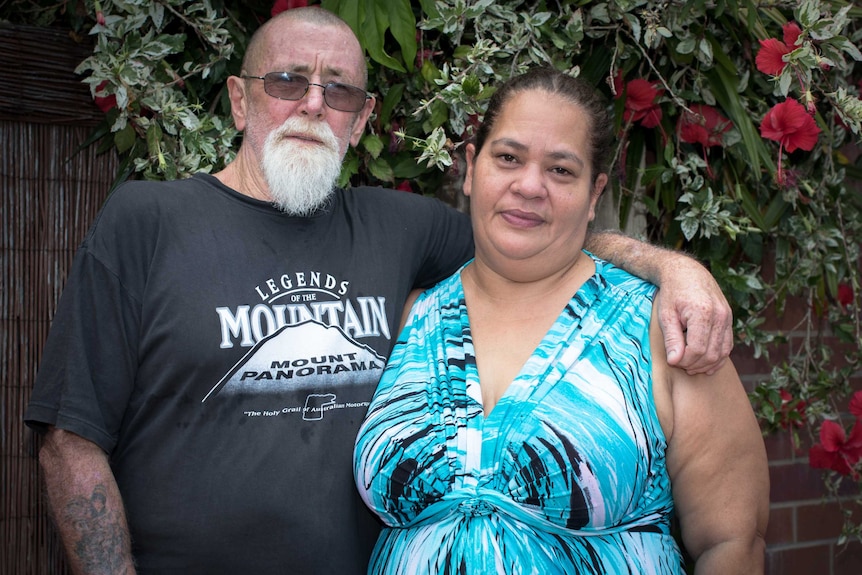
(322, 54)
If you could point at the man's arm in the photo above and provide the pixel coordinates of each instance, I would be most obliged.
(86, 505)
(694, 315)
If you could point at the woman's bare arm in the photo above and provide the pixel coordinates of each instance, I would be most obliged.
(718, 467)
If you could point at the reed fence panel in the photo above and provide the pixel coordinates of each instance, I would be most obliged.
(50, 192)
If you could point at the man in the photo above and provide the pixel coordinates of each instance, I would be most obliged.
(219, 338)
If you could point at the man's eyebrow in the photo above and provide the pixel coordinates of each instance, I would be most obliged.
(329, 72)
(556, 154)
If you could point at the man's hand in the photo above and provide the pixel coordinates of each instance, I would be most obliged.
(695, 317)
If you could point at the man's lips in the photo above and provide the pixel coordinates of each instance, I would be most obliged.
(522, 219)
(303, 137)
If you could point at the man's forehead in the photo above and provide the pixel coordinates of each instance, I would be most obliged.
(327, 50)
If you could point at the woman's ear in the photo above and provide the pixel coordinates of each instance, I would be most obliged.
(470, 153)
(596, 193)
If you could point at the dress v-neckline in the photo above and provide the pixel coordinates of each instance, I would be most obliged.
(495, 424)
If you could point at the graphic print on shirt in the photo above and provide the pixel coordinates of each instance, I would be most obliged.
(304, 337)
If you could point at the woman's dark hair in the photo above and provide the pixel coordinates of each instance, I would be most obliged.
(576, 90)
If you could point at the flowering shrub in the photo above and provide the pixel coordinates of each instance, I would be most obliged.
(739, 123)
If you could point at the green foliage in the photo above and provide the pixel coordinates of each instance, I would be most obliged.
(776, 241)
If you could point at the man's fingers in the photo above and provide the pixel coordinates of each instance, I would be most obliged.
(698, 355)
(674, 338)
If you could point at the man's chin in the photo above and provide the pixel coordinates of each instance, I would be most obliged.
(289, 206)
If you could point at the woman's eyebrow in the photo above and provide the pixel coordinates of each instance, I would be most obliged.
(555, 155)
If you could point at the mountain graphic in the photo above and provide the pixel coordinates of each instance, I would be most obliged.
(308, 355)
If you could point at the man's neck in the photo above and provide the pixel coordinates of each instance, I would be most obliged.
(245, 177)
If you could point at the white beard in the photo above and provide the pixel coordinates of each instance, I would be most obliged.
(301, 176)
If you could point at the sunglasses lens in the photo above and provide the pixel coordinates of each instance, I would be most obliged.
(343, 97)
(285, 86)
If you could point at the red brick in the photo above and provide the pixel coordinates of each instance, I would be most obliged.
(848, 559)
(814, 560)
(795, 482)
(840, 351)
(779, 446)
(821, 521)
(790, 318)
(747, 365)
(805, 443)
(780, 530)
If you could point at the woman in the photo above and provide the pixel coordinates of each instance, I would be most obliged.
(527, 421)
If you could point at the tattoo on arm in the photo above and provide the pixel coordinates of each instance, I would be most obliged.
(103, 544)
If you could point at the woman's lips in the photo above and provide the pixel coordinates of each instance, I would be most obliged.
(522, 219)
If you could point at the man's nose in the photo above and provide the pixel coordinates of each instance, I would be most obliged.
(313, 102)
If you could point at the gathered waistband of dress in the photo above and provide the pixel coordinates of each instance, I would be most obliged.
(477, 503)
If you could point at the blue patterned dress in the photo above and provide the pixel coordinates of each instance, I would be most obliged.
(565, 475)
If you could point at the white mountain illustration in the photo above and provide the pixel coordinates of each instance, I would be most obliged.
(307, 355)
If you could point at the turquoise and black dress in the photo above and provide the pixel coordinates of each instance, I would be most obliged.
(565, 475)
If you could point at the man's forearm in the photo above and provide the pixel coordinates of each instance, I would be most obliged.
(636, 257)
(86, 505)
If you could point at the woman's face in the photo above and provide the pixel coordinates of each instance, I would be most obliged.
(531, 191)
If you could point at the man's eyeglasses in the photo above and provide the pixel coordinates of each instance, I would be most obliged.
(287, 86)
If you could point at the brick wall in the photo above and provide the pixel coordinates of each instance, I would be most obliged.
(804, 525)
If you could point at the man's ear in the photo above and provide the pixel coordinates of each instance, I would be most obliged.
(361, 120)
(470, 153)
(238, 101)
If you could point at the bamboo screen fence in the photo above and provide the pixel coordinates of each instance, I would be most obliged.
(51, 192)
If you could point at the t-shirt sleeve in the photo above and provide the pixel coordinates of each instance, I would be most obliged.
(449, 244)
(87, 371)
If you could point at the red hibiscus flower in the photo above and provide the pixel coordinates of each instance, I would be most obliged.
(835, 451)
(789, 124)
(704, 125)
(280, 6)
(104, 103)
(640, 105)
(856, 404)
(791, 34)
(404, 186)
(769, 59)
(792, 410)
(845, 297)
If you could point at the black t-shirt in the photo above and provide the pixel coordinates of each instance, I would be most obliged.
(224, 355)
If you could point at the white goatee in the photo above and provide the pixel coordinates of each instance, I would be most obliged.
(301, 175)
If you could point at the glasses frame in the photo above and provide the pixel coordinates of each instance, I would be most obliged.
(309, 84)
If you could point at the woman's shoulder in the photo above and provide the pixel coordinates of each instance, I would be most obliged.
(620, 280)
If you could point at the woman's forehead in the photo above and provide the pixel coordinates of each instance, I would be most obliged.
(538, 106)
